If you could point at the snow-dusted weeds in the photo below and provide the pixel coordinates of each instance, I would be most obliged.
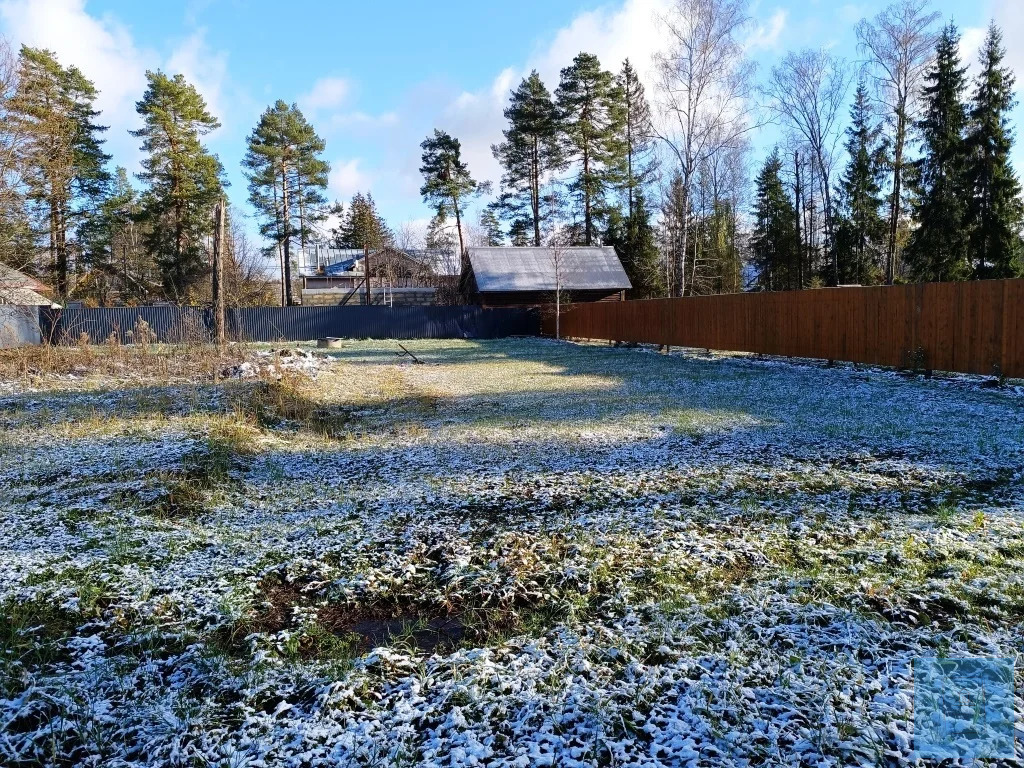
(521, 553)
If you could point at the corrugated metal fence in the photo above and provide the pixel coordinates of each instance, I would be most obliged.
(183, 324)
(971, 327)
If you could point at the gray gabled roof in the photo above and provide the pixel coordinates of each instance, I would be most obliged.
(533, 269)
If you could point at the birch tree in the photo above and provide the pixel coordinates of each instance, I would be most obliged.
(807, 92)
(704, 84)
(899, 43)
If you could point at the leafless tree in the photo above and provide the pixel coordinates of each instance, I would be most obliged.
(704, 84)
(248, 272)
(561, 255)
(807, 92)
(899, 43)
(12, 219)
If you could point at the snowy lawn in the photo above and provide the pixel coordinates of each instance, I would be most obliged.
(521, 552)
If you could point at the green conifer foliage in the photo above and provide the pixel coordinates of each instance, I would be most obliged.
(183, 178)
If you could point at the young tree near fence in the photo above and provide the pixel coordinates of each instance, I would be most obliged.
(898, 42)
(773, 242)
(861, 230)
(287, 179)
(60, 151)
(183, 178)
(113, 248)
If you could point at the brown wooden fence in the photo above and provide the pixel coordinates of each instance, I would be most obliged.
(971, 327)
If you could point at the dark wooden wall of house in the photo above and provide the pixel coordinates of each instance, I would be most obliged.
(538, 298)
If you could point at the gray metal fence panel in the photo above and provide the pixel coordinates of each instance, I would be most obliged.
(269, 324)
(19, 326)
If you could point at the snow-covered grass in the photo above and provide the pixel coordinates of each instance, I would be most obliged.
(521, 552)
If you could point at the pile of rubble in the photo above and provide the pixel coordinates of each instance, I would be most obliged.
(274, 362)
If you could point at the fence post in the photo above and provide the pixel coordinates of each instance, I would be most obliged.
(218, 272)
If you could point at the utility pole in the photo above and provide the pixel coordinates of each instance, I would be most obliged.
(218, 271)
(366, 272)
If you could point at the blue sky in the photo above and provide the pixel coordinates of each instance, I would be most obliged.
(375, 78)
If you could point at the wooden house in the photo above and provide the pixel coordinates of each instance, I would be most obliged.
(517, 277)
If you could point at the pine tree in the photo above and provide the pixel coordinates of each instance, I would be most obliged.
(590, 105)
(773, 244)
(638, 134)
(61, 153)
(183, 178)
(995, 213)
(862, 229)
(938, 248)
(529, 153)
(361, 225)
(491, 227)
(447, 183)
(287, 178)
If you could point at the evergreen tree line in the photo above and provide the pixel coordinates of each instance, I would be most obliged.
(957, 213)
(66, 217)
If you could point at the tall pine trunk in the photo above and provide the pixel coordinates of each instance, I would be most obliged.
(286, 234)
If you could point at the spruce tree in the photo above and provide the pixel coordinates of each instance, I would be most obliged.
(529, 153)
(590, 105)
(634, 240)
(287, 178)
(773, 243)
(638, 134)
(183, 178)
(862, 229)
(520, 233)
(938, 248)
(994, 214)
(361, 225)
(61, 151)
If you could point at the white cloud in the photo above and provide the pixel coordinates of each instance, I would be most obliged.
(362, 119)
(106, 52)
(346, 179)
(327, 93)
(102, 48)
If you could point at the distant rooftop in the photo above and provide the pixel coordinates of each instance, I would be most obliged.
(335, 261)
(533, 269)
